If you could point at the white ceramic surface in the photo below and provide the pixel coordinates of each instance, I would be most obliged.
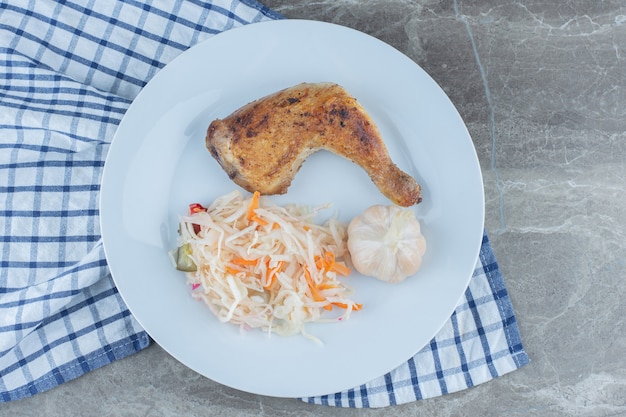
(157, 165)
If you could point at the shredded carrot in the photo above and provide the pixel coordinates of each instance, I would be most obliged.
(314, 293)
(245, 262)
(259, 220)
(355, 307)
(329, 257)
(271, 281)
(232, 271)
(341, 269)
(278, 268)
(327, 263)
(254, 204)
(271, 275)
(324, 286)
(320, 263)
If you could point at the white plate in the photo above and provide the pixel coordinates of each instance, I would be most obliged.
(157, 165)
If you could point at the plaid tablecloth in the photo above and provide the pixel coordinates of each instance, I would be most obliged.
(68, 71)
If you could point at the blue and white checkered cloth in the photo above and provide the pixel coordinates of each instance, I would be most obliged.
(69, 69)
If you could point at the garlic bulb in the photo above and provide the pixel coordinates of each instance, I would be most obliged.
(385, 242)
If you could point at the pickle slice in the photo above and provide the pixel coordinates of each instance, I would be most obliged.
(184, 262)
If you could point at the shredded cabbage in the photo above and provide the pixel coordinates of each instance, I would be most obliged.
(260, 265)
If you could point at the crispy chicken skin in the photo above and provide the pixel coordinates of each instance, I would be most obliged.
(262, 145)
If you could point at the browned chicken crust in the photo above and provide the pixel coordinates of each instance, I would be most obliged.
(262, 145)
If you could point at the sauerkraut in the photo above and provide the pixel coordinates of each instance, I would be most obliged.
(260, 265)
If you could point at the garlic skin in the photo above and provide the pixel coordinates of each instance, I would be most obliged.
(386, 242)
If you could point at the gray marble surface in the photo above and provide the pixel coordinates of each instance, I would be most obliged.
(542, 88)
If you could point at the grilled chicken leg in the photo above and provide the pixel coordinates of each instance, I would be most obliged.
(262, 145)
